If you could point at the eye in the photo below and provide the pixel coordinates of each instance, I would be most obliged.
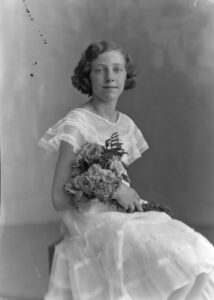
(118, 69)
(98, 70)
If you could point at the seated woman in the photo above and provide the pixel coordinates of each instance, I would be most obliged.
(107, 254)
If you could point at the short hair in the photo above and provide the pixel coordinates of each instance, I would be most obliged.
(81, 76)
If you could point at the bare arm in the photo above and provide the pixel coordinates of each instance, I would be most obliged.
(59, 198)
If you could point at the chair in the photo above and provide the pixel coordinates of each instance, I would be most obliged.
(51, 250)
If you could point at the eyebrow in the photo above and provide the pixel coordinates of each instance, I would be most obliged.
(115, 64)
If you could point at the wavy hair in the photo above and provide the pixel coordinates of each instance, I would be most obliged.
(81, 76)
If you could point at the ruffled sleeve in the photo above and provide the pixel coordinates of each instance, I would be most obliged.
(71, 129)
(141, 143)
(135, 142)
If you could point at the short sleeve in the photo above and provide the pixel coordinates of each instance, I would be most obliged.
(71, 129)
(140, 141)
(135, 142)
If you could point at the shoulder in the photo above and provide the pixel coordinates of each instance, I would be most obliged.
(132, 130)
(75, 113)
(73, 128)
(77, 117)
(127, 121)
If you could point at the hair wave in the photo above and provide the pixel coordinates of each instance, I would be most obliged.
(81, 76)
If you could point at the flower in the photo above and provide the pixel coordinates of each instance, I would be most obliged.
(97, 182)
(117, 167)
(91, 153)
(84, 183)
(97, 171)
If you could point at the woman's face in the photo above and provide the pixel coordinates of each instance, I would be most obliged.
(108, 75)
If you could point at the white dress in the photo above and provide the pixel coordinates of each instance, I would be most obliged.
(108, 255)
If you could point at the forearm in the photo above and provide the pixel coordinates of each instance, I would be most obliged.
(61, 201)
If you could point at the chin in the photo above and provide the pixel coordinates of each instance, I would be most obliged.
(110, 98)
(107, 97)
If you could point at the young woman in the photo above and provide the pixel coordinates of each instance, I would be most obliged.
(106, 254)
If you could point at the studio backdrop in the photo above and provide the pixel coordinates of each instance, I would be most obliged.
(172, 44)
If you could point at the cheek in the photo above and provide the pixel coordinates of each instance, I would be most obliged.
(123, 81)
(95, 80)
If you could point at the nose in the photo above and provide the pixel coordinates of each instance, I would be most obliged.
(109, 76)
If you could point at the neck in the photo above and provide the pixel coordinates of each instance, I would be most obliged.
(106, 110)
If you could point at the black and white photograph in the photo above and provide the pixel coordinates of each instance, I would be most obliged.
(107, 150)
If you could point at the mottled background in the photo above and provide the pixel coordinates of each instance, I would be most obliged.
(172, 44)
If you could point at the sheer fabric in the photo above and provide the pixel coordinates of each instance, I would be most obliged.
(81, 126)
(108, 255)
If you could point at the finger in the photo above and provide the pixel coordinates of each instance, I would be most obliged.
(124, 204)
(131, 207)
(138, 205)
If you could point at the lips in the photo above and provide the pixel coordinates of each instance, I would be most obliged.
(110, 87)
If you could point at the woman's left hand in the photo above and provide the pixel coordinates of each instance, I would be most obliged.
(128, 198)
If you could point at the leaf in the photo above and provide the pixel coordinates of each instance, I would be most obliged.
(114, 146)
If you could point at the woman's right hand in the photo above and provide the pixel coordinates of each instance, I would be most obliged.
(128, 198)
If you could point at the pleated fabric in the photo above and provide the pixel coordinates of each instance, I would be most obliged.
(138, 256)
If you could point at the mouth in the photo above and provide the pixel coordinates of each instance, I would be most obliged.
(110, 87)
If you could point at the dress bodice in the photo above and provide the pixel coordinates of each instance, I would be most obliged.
(80, 126)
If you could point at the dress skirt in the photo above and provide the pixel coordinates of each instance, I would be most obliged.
(108, 255)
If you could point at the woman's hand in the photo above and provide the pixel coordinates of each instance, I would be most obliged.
(128, 198)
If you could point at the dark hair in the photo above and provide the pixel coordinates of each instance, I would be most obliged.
(81, 76)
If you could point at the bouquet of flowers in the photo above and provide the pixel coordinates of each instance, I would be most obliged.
(98, 171)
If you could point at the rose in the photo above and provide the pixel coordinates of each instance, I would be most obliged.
(117, 167)
(97, 170)
(76, 170)
(90, 153)
(84, 183)
(104, 181)
(96, 182)
(69, 188)
(98, 173)
(103, 190)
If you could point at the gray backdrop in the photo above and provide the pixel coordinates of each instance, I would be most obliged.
(172, 44)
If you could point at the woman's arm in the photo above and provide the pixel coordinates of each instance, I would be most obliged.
(60, 199)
